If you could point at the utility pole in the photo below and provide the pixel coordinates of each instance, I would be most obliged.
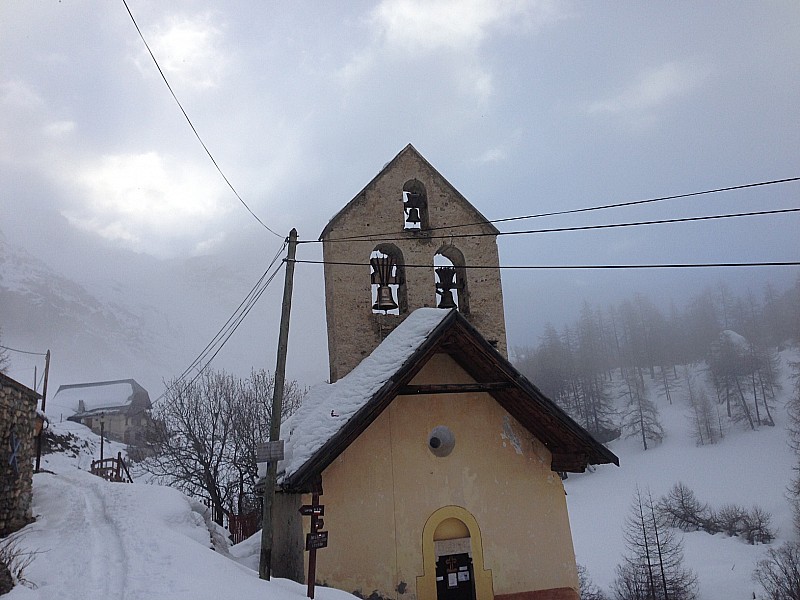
(265, 559)
(44, 400)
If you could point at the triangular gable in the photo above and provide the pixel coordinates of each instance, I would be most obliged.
(334, 415)
(388, 167)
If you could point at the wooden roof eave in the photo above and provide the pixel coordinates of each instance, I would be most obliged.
(546, 420)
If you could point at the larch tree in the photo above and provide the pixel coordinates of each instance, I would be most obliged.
(653, 564)
(4, 360)
(793, 410)
(640, 416)
(705, 419)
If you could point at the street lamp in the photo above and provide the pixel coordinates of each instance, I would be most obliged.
(102, 431)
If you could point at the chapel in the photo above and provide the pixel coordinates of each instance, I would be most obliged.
(438, 464)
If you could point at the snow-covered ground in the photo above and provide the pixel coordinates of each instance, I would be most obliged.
(100, 540)
(745, 468)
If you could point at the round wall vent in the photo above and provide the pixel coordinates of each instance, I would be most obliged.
(441, 441)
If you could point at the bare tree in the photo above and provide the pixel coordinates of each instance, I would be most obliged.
(779, 573)
(653, 566)
(588, 590)
(206, 432)
(640, 415)
(706, 426)
(793, 410)
(4, 360)
(680, 508)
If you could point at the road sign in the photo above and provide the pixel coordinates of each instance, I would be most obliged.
(315, 541)
(269, 451)
(308, 510)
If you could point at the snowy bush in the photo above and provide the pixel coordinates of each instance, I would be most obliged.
(680, 508)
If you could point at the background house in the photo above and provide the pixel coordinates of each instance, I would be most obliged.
(121, 408)
(438, 462)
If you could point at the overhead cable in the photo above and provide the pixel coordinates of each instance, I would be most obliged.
(377, 237)
(227, 330)
(554, 267)
(23, 351)
(188, 120)
(586, 209)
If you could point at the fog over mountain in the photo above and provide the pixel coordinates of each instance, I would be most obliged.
(526, 107)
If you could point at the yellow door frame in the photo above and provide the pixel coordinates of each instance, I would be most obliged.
(426, 584)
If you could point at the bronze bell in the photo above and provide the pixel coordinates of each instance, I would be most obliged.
(413, 216)
(446, 286)
(385, 299)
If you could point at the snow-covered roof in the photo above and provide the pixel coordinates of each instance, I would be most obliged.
(328, 407)
(95, 396)
(735, 340)
(334, 415)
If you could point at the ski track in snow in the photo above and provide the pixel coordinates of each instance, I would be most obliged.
(104, 572)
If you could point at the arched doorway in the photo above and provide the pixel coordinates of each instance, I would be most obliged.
(452, 553)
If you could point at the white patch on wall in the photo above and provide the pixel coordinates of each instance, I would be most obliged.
(511, 435)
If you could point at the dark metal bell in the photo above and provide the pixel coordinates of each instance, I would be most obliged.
(446, 286)
(447, 300)
(413, 216)
(385, 299)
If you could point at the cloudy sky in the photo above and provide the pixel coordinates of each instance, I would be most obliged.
(525, 106)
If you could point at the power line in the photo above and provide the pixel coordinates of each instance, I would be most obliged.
(228, 329)
(23, 351)
(581, 210)
(555, 267)
(188, 120)
(376, 237)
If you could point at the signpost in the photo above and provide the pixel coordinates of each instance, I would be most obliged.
(269, 451)
(316, 539)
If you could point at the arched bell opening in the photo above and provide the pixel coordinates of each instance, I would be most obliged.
(415, 205)
(387, 279)
(449, 270)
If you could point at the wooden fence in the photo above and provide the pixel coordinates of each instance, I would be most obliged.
(243, 526)
(112, 469)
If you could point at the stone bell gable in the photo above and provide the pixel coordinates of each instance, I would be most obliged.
(409, 220)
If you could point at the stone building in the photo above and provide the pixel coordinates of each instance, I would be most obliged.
(121, 408)
(438, 463)
(17, 449)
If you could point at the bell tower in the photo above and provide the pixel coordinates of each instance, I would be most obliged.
(408, 240)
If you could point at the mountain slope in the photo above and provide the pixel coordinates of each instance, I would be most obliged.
(745, 468)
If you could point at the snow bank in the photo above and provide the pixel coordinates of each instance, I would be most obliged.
(95, 540)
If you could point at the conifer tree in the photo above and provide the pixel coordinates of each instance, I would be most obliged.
(640, 415)
(653, 565)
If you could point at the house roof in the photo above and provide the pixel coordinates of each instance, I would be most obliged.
(120, 394)
(334, 415)
(387, 167)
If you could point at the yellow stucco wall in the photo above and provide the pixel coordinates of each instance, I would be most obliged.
(382, 490)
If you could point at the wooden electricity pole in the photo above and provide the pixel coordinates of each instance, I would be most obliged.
(265, 559)
(44, 400)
